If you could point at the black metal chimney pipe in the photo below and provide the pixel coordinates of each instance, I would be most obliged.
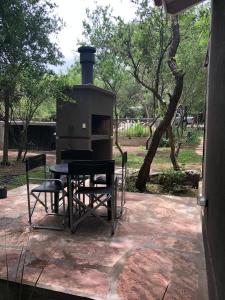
(87, 60)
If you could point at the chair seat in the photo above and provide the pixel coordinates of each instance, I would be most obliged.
(81, 177)
(88, 200)
(100, 179)
(94, 190)
(48, 186)
(63, 178)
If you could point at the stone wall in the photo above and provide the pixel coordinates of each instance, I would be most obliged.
(133, 141)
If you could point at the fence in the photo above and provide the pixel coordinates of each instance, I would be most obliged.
(133, 127)
(41, 135)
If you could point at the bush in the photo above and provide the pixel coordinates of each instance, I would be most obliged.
(172, 181)
(164, 142)
(130, 184)
(136, 130)
(193, 136)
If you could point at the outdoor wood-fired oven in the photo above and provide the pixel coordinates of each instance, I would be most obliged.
(85, 120)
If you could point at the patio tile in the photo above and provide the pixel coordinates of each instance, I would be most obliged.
(157, 247)
(80, 281)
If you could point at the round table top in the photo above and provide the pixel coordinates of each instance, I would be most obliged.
(61, 169)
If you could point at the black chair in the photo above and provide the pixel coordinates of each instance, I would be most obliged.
(96, 196)
(79, 154)
(121, 174)
(75, 154)
(47, 187)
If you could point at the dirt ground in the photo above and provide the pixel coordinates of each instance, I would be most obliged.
(18, 168)
(129, 149)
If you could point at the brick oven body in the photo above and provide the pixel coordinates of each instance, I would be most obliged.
(84, 121)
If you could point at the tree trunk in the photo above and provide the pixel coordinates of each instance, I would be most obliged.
(116, 131)
(23, 142)
(143, 174)
(172, 149)
(19, 153)
(150, 132)
(5, 160)
(178, 149)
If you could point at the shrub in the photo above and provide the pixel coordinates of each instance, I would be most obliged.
(172, 181)
(136, 130)
(193, 136)
(164, 142)
(130, 184)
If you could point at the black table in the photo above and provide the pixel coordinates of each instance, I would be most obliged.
(58, 170)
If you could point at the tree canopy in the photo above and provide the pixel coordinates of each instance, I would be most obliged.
(132, 58)
(156, 51)
(25, 29)
(137, 50)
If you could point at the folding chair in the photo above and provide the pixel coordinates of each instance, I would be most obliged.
(121, 174)
(97, 196)
(75, 154)
(79, 154)
(45, 188)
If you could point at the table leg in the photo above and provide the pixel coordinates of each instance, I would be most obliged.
(109, 209)
(56, 197)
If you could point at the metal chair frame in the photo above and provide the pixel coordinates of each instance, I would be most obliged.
(121, 180)
(69, 155)
(47, 186)
(98, 196)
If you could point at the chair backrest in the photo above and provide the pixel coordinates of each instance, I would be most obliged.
(35, 161)
(93, 167)
(79, 154)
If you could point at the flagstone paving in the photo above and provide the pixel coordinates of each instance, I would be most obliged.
(156, 252)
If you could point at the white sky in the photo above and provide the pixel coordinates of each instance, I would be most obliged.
(73, 12)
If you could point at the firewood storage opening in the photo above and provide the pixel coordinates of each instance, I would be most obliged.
(100, 125)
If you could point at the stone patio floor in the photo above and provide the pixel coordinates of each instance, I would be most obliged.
(157, 247)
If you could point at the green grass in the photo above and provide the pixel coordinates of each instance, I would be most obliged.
(162, 158)
(134, 161)
(191, 136)
(189, 156)
(16, 181)
(187, 159)
(135, 130)
(196, 135)
(13, 181)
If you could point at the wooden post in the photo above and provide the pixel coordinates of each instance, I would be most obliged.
(214, 166)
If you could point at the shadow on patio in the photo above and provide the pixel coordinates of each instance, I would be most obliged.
(158, 244)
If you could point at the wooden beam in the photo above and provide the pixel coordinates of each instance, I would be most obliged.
(158, 2)
(176, 6)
